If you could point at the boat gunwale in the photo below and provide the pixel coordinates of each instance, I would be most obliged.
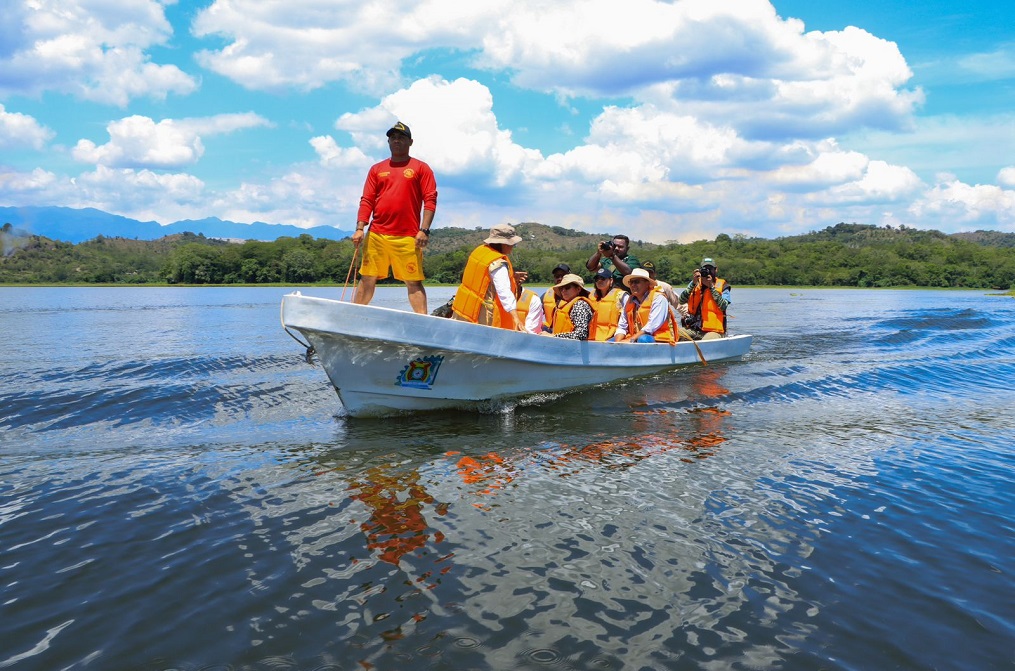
(485, 341)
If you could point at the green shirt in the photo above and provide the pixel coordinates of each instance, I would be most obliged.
(618, 277)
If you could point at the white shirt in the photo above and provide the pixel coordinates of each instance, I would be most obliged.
(657, 315)
(534, 318)
(501, 279)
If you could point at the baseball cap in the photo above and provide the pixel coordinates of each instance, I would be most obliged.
(707, 261)
(400, 127)
(603, 273)
(561, 267)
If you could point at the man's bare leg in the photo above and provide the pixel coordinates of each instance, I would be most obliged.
(365, 290)
(417, 296)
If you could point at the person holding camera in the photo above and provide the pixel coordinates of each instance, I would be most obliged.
(707, 297)
(614, 256)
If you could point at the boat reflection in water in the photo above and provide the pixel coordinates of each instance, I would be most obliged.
(509, 542)
(397, 500)
(487, 475)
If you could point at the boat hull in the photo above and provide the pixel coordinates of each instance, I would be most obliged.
(384, 361)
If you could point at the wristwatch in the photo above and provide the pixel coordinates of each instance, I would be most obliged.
(425, 231)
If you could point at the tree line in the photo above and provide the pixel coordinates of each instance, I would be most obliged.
(844, 255)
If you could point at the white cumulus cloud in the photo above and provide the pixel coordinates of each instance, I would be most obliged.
(21, 130)
(92, 50)
(454, 129)
(734, 62)
(137, 192)
(974, 205)
(138, 141)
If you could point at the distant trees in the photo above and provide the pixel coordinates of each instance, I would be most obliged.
(844, 255)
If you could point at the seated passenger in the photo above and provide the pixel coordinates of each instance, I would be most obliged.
(707, 298)
(575, 318)
(607, 301)
(551, 298)
(665, 288)
(530, 309)
(489, 284)
(646, 317)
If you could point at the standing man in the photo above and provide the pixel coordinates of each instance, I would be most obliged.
(614, 256)
(395, 191)
(707, 297)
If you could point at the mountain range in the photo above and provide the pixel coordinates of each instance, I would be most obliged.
(77, 225)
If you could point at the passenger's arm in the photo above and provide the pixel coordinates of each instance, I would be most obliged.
(657, 315)
(534, 319)
(501, 280)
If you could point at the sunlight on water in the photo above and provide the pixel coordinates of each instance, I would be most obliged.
(181, 490)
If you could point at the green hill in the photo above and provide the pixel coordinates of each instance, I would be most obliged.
(844, 255)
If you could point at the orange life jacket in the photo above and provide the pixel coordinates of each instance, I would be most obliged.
(607, 314)
(525, 304)
(549, 307)
(638, 316)
(476, 296)
(562, 317)
(713, 320)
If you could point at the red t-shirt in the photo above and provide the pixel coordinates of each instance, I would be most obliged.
(395, 193)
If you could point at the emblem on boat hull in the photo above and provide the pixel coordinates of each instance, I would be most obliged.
(420, 373)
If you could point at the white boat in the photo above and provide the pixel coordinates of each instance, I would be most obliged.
(383, 361)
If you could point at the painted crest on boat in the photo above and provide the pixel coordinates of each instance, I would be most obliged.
(421, 372)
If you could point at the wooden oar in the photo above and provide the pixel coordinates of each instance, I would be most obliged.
(682, 332)
(352, 265)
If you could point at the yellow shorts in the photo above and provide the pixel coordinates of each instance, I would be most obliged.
(397, 252)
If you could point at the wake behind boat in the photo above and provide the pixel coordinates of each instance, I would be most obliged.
(383, 361)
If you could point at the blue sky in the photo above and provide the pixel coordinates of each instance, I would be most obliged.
(664, 120)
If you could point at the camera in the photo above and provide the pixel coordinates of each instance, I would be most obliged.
(603, 246)
(707, 270)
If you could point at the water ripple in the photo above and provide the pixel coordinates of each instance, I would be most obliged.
(840, 499)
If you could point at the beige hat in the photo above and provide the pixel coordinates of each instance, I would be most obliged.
(503, 234)
(638, 272)
(570, 279)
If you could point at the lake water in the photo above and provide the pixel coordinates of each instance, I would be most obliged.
(180, 490)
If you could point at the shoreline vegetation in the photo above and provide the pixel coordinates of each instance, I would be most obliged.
(440, 285)
(840, 256)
